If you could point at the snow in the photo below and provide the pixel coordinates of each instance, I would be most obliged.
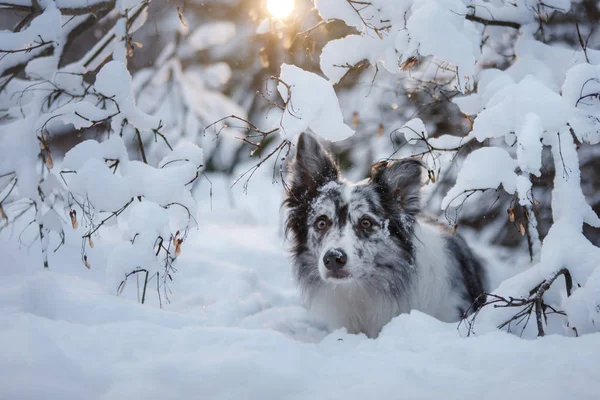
(114, 82)
(485, 168)
(112, 148)
(235, 329)
(391, 32)
(311, 103)
(221, 316)
(414, 130)
(338, 55)
(45, 28)
(459, 43)
(338, 9)
(529, 148)
(95, 182)
(581, 81)
(184, 152)
(507, 109)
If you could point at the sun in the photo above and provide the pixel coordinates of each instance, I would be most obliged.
(280, 8)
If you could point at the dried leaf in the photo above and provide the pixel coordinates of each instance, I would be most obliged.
(409, 63)
(453, 230)
(73, 215)
(471, 121)
(46, 149)
(178, 247)
(522, 228)
(130, 49)
(86, 263)
(511, 214)
(431, 175)
(380, 129)
(49, 162)
(181, 17)
(90, 242)
(355, 119)
(139, 45)
(3, 216)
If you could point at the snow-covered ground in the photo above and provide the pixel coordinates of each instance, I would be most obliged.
(235, 329)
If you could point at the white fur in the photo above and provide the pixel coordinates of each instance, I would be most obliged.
(434, 294)
(354, 307)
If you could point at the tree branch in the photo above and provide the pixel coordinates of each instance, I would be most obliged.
(100, 7)
(493, 22)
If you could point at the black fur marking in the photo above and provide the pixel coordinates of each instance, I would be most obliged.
(360, 232)
(471, 271)
(360, 252)
(341, 213)
(400, 230)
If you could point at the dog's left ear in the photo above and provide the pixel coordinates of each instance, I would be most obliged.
(403, 180)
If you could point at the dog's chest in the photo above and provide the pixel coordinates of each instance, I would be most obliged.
(353, 307)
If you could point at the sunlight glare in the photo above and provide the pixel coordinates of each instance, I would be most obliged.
(280, 8)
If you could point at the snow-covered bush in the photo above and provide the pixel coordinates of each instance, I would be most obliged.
(153, 204)
(54, 94)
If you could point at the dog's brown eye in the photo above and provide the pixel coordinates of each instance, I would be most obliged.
(366, 223)
(322, 223)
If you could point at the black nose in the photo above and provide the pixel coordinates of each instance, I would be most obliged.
(335, 259)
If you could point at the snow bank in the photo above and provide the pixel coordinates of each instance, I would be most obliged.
(235, 329)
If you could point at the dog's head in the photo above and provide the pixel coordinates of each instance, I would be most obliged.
(346, 232)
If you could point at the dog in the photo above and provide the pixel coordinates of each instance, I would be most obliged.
(363, 252)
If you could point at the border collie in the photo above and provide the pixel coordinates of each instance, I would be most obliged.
(363, 252)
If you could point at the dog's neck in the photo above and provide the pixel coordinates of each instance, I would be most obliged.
(354, 306)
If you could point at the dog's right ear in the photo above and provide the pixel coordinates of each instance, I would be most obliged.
(403, 179)
(312, 168)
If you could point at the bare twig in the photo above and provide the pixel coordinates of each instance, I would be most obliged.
(38, 43)
(534, 303)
